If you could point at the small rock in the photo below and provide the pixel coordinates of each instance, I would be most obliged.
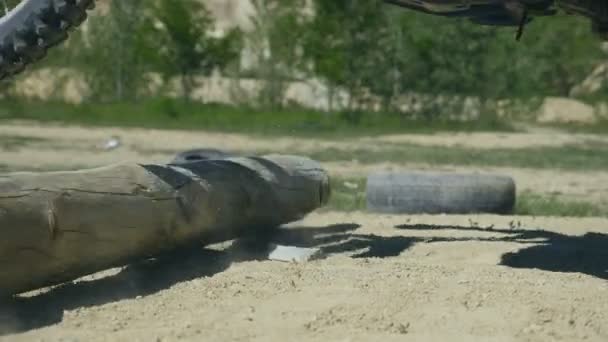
(564, 110)
(111, 144)
(402, 328)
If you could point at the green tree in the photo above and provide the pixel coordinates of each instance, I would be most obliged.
(387, 52)
(112, 54)
(562, 53)
(395, 67)
(185, 45)
(341, 43)
(276, 40)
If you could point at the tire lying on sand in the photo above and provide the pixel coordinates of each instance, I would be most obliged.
(199, 154)
(437, 193)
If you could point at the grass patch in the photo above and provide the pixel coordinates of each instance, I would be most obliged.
(564, 158)
(13, 142)
(600, 127)
(177, 114)
(530, 204)
(347, 195)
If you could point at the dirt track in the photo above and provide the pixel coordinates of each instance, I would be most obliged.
(419, 278)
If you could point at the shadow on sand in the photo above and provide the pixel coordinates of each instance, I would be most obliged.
(543, 250)
(21, 314)
(549, 251)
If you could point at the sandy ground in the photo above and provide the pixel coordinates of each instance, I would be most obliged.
(389, 278)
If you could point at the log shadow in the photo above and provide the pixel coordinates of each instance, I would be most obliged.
(145, 278)
(140, 279)
(548, 251)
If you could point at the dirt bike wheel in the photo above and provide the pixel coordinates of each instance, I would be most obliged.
(29, 29)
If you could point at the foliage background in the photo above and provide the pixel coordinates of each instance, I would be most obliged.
(405, 63)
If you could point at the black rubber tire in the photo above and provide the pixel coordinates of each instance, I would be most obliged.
(436, 193)
(199, 154)
(34, 26)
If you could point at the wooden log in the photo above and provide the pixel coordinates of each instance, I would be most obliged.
(59, 226)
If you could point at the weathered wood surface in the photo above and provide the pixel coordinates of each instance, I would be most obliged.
(58, 226)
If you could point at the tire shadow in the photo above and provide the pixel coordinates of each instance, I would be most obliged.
(548, 251)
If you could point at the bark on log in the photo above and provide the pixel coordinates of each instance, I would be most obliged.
(59, 226)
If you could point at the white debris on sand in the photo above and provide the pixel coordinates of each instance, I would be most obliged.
(294, 254)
